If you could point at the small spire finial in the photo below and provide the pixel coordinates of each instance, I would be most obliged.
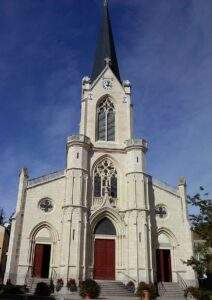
(105, 2)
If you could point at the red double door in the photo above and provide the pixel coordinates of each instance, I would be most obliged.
(104, 259)
(164, 268)
(41, 261)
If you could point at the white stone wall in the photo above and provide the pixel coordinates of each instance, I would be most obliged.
(176, 227)
(69, 227)
(91, 95)
(35, 218)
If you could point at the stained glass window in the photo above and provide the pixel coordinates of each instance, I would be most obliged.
(111, 126)
(106, 121)
(97, 186)
(105, 227)
(114, 186)
(105, 179)
(101, 125)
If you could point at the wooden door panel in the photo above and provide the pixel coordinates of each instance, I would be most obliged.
(38, 260)
(110, 259)
(164, 269)
(104, 259)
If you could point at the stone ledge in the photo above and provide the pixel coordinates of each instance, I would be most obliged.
(78, 138)
(165, 186)
(137, 143)
(45, 178)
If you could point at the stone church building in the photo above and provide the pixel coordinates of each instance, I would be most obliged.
(103, 216)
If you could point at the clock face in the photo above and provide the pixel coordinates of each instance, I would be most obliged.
(107, 84)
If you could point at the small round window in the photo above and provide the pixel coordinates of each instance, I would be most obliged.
(46, 205)
(161, 211)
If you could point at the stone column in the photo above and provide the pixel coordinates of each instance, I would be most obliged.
(16, 230)
(73, 246)
(183, 194)
(138, 208)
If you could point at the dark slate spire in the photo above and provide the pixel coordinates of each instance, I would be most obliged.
(105, 51)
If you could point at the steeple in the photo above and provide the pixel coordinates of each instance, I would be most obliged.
(105, 50)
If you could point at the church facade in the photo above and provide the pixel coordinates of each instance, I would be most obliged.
(103, 216)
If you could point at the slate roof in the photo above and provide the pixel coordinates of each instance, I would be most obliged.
(105, 47)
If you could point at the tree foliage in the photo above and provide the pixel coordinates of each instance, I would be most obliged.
(199, 262)
(6, 220)
(201, 223)
(202, 220)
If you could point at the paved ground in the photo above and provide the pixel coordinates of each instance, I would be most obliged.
(117, 298)
(111, 298)
(75, 296)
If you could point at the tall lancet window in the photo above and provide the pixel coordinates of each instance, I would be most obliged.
(105, 179)
(106, 121)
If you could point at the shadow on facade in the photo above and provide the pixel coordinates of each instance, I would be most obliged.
(154, 232)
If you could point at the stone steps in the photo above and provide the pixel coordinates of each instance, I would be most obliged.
(33, 284)
(113, 289)
(170, 290)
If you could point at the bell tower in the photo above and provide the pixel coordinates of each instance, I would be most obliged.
(106, 109)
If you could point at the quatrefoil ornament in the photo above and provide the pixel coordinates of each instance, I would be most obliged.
(46, 205)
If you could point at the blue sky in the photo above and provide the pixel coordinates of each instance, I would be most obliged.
(164, 48)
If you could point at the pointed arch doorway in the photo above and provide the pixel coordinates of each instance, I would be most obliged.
(164, 259)
(42, 249)
(104, 250)
(42, 260)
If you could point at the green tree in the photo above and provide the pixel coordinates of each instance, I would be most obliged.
(201, 223)
(202, 220)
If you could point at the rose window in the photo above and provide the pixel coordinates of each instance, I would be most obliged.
(161, 211)
(46, 205)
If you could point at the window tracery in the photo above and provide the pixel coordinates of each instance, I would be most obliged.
(161, 211)
(46, 205)
(105, 179)
(106, 121)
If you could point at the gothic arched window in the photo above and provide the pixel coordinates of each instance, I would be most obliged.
(105, 179)
(105, 227)
(105, 121)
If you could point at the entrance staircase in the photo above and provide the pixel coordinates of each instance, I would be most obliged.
(32, 284)
(171, 291)
(113, 289)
